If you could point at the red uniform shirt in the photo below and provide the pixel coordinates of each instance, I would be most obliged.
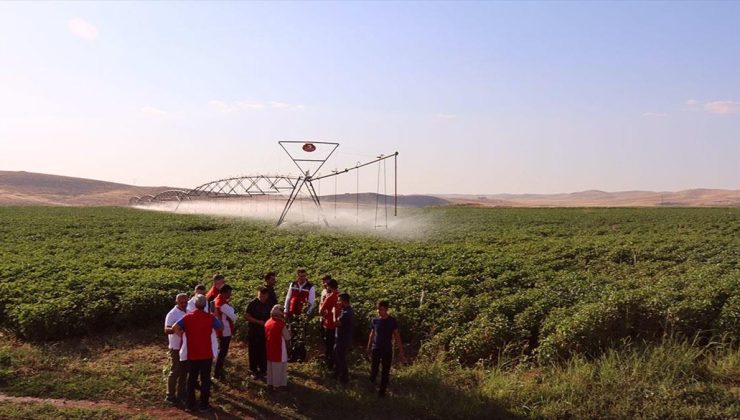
(274, 339)
(327, 309)
(198, 326)
(211, 296)
(299, 296)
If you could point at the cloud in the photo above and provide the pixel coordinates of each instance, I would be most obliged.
(219, 106)
(240, 106)
(654, 114)
(715, 107)
(82, 29)
(722, 107)
(152, 111)
(446, 116)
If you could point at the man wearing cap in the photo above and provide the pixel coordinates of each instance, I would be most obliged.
(301, 297)
(197, 328)
(226, 314)
(277, 334)
(178, 369)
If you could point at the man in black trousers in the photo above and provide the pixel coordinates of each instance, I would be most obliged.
(258, 311)
(384, 330)
(343, 341)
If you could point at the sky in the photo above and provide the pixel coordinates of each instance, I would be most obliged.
(477, 98)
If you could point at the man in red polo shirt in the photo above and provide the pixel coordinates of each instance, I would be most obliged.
(197, 326)
(328, 311)
(218, 282)
(299, 304)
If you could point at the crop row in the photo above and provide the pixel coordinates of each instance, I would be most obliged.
(545, 283)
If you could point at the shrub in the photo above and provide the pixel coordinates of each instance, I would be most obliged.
(481, 340)
(590, 328)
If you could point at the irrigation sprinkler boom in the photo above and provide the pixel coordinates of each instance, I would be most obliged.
(309, 157)
(304, 163)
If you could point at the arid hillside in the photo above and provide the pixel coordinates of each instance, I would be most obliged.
(700, 197)
(28, 189)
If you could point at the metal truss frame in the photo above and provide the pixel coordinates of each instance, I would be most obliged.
(307, 179)
(263, 185)
(241, 186)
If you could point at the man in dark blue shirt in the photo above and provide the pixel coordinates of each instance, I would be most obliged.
(383, 330)
(258, 312)
(343, 340)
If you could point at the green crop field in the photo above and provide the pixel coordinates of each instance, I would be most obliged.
(492, 293)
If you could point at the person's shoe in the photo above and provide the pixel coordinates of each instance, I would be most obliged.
(171, 400)
(189, 409)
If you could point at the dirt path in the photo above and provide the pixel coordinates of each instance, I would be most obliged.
(168, 413)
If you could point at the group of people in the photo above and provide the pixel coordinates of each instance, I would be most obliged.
(200, 328)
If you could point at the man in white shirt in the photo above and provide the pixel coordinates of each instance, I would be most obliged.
(226, 314)
(178, 370)
(199, 290)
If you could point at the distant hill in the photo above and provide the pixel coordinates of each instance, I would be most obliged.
(28, 188)
(700, 197)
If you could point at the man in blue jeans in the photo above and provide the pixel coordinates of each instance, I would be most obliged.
(383, 330)
(343, 338)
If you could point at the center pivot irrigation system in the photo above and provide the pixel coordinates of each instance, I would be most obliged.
(309, 157)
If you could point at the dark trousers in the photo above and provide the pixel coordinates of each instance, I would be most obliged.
(223, 351)
(341, 348)
(297, 350)
(177, 376)
(384, 357)
(257, 353)
(329, 339)
(202, 369)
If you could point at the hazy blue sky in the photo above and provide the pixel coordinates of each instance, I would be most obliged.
(476, 97)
